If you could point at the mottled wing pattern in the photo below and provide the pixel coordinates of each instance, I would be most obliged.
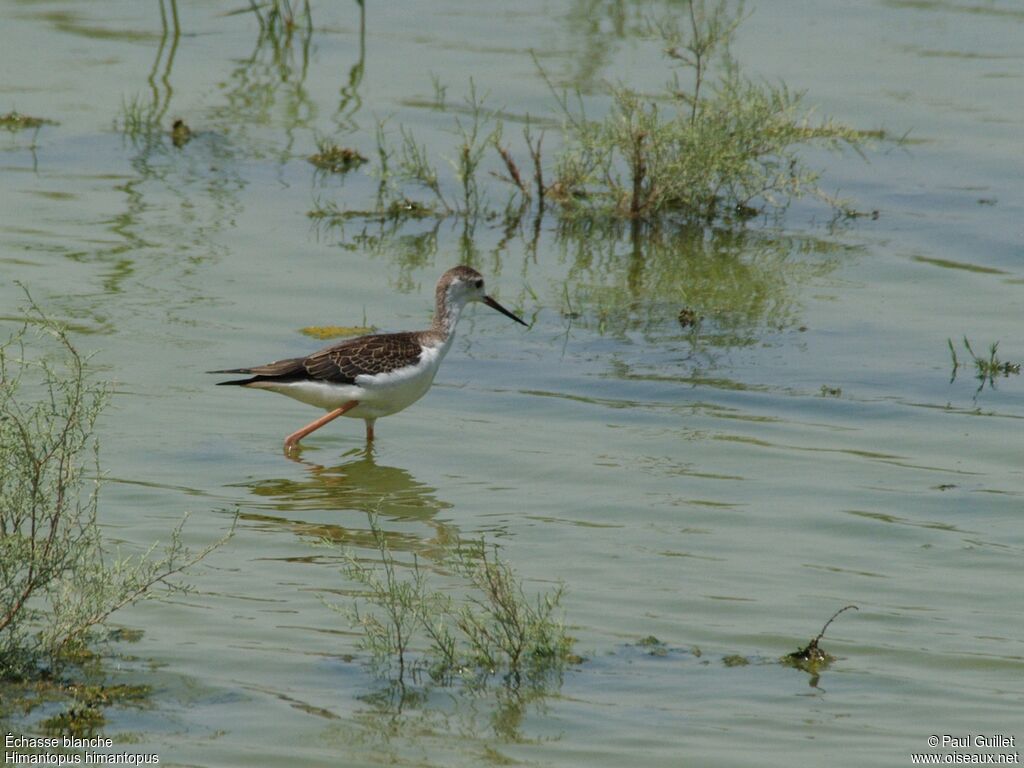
(339, 363)
(368, 355)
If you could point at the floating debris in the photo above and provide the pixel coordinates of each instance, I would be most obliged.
(15, 121)
(406, 208)
(181, 134)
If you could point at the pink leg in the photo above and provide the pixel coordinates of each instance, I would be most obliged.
(293, 439)
(369, 430)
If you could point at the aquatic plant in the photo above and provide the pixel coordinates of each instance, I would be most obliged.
(411, 167)
(986, 368)
(812, 654)
(58, 577)
(139, 119)
(501, 625)
(495, 629)
(713, 146)
(720, 147)
(277, 17)
(84, 715)
(734, 159)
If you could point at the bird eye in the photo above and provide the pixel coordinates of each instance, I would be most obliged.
(478, 283)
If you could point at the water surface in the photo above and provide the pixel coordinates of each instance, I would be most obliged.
(724, 489)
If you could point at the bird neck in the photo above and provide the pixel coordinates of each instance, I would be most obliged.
(446, 315)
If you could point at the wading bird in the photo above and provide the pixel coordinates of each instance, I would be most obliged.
(372, 376)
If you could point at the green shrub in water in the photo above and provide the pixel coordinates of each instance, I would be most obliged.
(58, 579)
(493, 629)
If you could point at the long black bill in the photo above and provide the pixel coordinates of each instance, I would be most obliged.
(495, 305)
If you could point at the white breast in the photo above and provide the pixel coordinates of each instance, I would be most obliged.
(387, 393)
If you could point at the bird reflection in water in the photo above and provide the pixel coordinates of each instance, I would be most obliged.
(310, 505)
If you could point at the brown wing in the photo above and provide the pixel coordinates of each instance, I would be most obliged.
(340, 363)
(368, 355)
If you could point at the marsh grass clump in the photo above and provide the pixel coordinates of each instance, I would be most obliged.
(734, 159)
(336, 159)
(139, 119)
(986, 368)
(412, 186)
(494, 628)
(410, 166)
(58, 578)
(715, 145)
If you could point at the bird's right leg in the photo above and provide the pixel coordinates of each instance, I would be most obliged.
(293, 439)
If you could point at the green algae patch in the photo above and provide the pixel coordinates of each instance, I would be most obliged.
(336, 331)
(735, 660)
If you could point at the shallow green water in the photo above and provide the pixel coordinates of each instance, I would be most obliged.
(698, 487)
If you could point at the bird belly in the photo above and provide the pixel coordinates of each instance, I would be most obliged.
(319, 394)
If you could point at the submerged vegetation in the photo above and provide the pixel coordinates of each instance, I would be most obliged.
(59, 579)
(495, 629)
(714, 146)
(334, 159)
(986, 368)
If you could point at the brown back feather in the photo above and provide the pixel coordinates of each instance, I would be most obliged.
(342, 363)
